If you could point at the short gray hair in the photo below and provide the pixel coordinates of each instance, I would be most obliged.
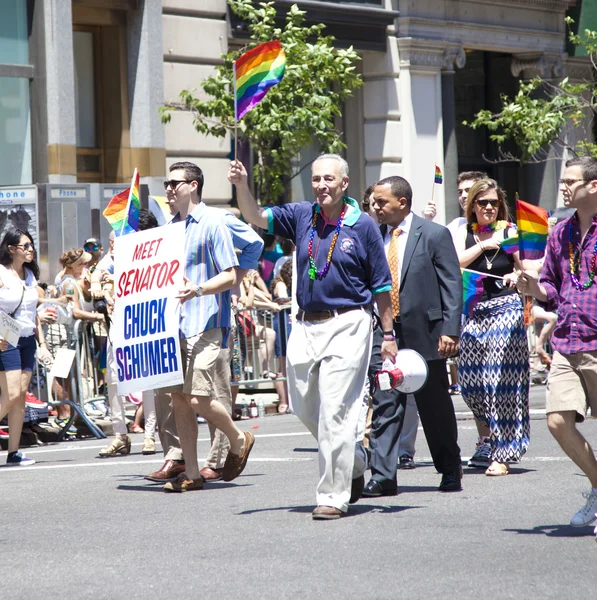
(343, 163)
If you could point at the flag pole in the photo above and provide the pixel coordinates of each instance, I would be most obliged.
(128, 203)
(235, 113)
(479, 273)
(433, 184)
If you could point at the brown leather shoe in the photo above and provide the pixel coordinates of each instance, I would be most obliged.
(170, 470)
(210, 474)
(235, 464)
(183, 484)
(326, 513)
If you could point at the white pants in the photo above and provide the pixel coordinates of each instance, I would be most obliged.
(408, 435)
(327, 366)
(117, 401)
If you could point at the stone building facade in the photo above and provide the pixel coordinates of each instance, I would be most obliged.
(81, 85)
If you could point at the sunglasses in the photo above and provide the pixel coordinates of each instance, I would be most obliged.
(91, 247)
(485, 203)
(25, 247)
(570, 182)
(174, 183)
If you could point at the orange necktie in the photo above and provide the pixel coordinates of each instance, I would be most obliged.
(394, 263)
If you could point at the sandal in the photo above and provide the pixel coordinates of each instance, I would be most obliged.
(271, 375)
(497, 469)
(137, 429)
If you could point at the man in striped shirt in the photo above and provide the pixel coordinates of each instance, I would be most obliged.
(210, 272)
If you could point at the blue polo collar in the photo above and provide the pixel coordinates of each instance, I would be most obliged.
(352, 213)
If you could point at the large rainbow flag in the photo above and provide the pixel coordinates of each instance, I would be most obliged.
(255, 72)
(532, 230)
(472, 290)
(122, 211)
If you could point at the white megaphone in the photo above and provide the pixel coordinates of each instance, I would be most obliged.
(407, 374)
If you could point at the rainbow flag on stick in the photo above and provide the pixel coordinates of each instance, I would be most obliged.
(255, 72)
(439, 178)
(510, 245)
(532, 230)
(122, 211)
(472, 290)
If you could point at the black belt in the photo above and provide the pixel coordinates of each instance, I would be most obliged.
(323, 315)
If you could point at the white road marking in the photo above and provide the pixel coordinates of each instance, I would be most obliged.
(81, 445)
(105, 462)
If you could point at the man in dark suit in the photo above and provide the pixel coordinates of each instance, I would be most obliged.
(427, 304)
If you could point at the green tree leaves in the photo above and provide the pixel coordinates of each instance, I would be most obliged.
(298, 111)
(541, 112)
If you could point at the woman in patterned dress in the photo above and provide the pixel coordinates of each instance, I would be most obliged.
(494, 356)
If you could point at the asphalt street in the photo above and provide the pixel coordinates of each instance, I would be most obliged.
(75, 526)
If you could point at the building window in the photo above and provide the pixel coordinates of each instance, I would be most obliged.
(89, 150)
(85, 89)
(14, 36)
(15, 131)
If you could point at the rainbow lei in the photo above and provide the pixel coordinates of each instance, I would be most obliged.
(495, 226)
(575, 263)
(313, 272)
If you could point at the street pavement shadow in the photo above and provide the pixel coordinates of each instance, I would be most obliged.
(353, 511)
(151, 486)
(563, 531)
(468, 471)
(39, 462)
(411, 489)
(304, 450)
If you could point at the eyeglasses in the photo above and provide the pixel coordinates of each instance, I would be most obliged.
(25, 247)
(485, 203)
(91, 247)
(570, 182)
(174, 183)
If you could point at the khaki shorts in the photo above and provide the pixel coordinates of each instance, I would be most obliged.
(572, 384)
(199, 356)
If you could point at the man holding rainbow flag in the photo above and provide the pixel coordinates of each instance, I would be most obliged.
(567, 284)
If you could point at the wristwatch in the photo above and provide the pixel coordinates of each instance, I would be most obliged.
(199, 291)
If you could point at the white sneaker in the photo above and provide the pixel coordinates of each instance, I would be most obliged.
(586, 515)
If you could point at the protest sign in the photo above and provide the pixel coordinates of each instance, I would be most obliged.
(10, 330)
(148, 273)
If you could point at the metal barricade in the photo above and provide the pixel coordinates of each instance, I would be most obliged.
(258, 339)
(74, 336)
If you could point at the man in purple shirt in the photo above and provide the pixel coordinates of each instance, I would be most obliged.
(569, 286)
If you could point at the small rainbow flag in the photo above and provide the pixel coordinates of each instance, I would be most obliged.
(439, 178)
(255, 72)
(472, 290)
(532, 230)
(510, 245)
(122, 211)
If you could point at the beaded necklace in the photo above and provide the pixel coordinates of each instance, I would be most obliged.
(575, 263)
(313, 272)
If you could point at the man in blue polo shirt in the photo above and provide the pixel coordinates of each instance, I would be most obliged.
(341, 266)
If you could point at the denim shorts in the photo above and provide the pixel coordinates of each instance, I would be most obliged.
(21, 358)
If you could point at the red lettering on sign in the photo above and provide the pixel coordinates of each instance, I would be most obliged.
(138, 280)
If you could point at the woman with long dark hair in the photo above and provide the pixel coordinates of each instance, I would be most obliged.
(493, 368)
(18, 298)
